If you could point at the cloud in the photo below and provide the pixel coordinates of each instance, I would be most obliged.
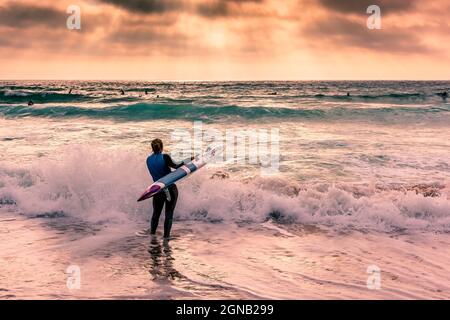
(205, 8)
(143, 37)
(223, 8)
(345, 32)
(4, 42)
(248, 35)
(213, 9)
(20, 15)
(147, 6)
(360, 6)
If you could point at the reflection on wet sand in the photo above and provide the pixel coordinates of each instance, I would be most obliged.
(161, 266)
(197, 284)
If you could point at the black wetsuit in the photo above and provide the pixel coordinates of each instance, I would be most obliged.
(159, 165)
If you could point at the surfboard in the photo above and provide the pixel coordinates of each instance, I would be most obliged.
(182, 172)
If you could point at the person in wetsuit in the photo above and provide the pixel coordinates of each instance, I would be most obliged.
(443, 95)
(159, 164)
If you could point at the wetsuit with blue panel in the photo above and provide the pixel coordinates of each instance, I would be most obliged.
(159, 165)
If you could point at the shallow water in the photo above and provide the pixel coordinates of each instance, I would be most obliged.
(216, 261)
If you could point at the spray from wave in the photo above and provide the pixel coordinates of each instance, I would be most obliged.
(95, 184)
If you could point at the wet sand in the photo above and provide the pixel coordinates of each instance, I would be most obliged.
(216, 261)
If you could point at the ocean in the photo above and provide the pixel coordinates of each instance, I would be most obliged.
(361, 179)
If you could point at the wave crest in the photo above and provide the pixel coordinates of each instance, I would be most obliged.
(149, 111)
(100, 185)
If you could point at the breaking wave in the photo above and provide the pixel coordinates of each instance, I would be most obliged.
(149, 111)
(102, 185)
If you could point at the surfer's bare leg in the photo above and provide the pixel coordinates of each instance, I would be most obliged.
(158, 203)
(170, 208)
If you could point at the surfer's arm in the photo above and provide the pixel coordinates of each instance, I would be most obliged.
(169, 162)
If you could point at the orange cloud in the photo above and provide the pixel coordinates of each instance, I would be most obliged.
(224, 39)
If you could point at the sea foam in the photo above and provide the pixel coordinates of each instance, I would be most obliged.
(97, 184)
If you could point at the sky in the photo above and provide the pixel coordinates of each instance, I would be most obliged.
(225, 40)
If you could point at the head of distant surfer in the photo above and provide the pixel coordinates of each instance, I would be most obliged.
(157, 145)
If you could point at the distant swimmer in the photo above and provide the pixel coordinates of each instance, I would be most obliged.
(30, 103)
(146, 91)
(122, 92)
(157, 95)
(348, 94)
(70, 91)
(443, 95)
(273, 93)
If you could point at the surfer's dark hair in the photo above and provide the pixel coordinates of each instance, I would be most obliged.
(157, 145)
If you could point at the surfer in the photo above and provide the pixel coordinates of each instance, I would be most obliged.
(443, 95)
(159, 165)
(30, 103)
(122, 92)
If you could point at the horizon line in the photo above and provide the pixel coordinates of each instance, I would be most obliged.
(233, 80)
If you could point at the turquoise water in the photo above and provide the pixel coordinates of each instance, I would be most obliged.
(221, 101)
